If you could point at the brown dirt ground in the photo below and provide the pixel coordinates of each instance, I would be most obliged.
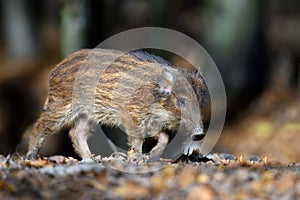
(223, 177)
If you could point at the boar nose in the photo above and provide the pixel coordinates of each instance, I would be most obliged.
(197, 134)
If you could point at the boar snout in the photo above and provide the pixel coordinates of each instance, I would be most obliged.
(197, 134)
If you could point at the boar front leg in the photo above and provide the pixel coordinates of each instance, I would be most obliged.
(162, 142)
(135, 154)
(134, 135)
(136, 144)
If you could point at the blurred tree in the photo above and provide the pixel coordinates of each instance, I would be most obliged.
(234, 37)
(73, 23)
(18, 29)
(283, 30)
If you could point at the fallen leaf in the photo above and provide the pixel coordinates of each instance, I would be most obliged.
(186, 176)
(267, 176)
(96, 184)
(131, 190)
(202, 178)
(38, 163)
(58, 159)
(158, 183)
(201, 192)
(4, 185)
(285, 182)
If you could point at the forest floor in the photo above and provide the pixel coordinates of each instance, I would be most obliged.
(218, 176)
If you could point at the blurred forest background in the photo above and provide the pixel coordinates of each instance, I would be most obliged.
(255, 45)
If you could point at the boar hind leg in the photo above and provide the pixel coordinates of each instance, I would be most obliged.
(162, 142)
(42, 128)
(79, 135)
(35, 145)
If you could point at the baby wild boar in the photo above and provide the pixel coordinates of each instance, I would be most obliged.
(142, 92)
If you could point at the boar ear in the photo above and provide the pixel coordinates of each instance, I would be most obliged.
(198, 72)
(167, 76)
(167, 81)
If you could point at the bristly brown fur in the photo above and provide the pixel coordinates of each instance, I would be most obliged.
(142, 111)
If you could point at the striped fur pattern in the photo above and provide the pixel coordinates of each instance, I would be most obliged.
(122, 96)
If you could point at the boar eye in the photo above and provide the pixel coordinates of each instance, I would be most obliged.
(164, 90)
(180, 101)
